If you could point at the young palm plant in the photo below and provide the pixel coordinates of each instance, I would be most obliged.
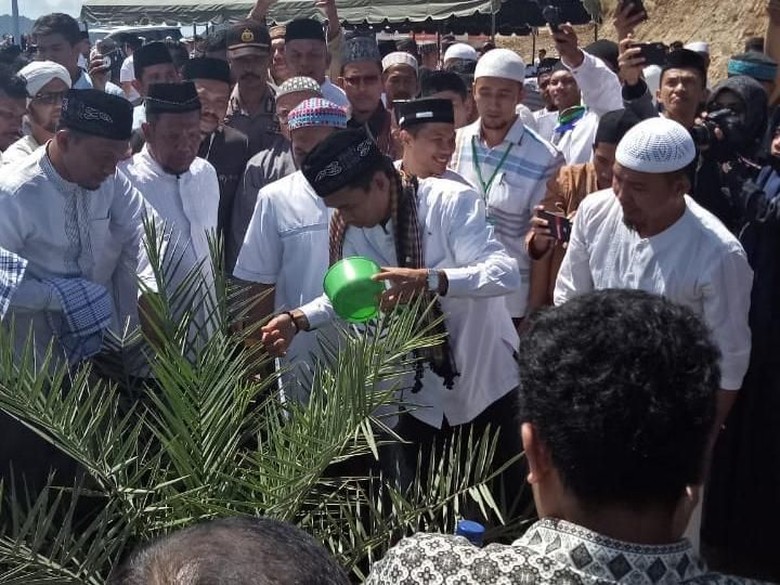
(205, 436)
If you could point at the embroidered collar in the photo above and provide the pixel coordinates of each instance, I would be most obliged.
(62, 185)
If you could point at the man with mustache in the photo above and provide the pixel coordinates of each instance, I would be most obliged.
(399, 75)
(47, 83)
(224, 147)
(252, 105)
(13, 99)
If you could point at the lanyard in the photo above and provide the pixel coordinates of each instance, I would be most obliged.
(475, 160)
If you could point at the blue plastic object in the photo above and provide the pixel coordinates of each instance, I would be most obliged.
(472, 531)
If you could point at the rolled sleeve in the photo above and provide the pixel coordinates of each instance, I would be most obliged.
(600, 87)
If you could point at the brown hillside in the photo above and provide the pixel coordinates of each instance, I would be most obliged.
(725, 24)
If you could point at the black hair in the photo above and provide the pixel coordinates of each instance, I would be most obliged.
(179, 53)
(57, 23)
(11, 84)
(251, 551)
(363, 181)
(134, 42)
(754, 44)
(435, 81)
(216, 41)
(620, 386)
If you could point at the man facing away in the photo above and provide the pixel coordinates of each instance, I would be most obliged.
(614, 480)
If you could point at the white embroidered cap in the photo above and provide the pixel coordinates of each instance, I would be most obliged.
(399, 58)
(698, 47)
(501, 63)
(656, 145)
(461, 51)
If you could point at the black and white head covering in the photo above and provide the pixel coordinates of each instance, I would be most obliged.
(424, 111)
(97, 113)
(172, 98)
(339, 159)
(360, 48)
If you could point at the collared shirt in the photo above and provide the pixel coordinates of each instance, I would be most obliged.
(696, 262)
(458, 240)
(518, 185)
(85, 82)
(551, 551)
(546, 121)
(601, 93)
(186, 204)
(259, 128)
(266, 167)
(379, 126)
(139, 116)
(334, 93)
(287, 246)
(65, 231)
(20, 149)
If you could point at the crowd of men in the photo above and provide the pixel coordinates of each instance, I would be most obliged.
(506, 200)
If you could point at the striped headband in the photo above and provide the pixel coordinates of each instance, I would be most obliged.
(317, 112)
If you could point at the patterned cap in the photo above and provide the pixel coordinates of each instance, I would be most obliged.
(399, 58)
(753, 64)
(296, 84)
(658, 146)
(360, 49)
(339, 159)
(317, 112)
(97, 113)
(277, 32)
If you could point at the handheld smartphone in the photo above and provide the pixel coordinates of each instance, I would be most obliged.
(654, 53)
(552, 16)
(639, 7)
(560, 227)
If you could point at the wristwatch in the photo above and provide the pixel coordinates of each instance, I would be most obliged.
(434, 280)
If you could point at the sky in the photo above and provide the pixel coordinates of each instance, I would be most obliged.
(35, 8)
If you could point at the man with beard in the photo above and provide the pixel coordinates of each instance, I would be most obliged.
(285, 254)
(508, 164)
(269, 165)
(181, 188)
(361, 78)
(252, 106)
(13, 100)
(224, 147)
(306, 55)
(399, 76)
(646, 233)
(46, 82)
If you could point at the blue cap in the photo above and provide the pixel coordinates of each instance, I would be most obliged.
(471, 531)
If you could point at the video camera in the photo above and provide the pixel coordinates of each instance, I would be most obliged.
(732, 128)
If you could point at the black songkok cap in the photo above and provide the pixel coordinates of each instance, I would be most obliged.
(155, 53)
(339, 159)
(546, 66)
(207, 68)
(685, 59)
(97, 113)
(614, 125)
(172, 98)
(304, 28)
(425, 111)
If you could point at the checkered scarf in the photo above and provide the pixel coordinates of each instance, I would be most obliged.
(87, 310)
(410, 254)
(12, 268)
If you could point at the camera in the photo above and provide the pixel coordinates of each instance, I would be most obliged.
(730, 124)
(552, 15)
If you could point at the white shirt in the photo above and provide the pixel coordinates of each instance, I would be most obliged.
(601, 93)
(187, 205)
(458, 240)
(696, 262)
(66, 231)
(546, 121)
(85, 82)
(139, 116)
(527, 116)
(519, 184)
(448, 174)
(286, 245)
(334, 93)
(127, 75)
(20, 150)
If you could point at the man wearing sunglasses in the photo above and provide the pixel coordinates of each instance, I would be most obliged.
(46, 83)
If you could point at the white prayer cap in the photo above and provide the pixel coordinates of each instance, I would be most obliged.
(652, 74)
(399, 58)
(656, 145)
(501, 63)
(698, 47)
(461, 51)
(39, 73)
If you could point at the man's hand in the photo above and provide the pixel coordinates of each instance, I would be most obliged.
(630, 61)
(405, 285)
(626, 22)
(567, 43)
(332, 14)
(98, 72)
(542, 235)
(773, 10)
(278, 334)
(260, 10)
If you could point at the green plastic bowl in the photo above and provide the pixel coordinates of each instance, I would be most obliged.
(348, 285)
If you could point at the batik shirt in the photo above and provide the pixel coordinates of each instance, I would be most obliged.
(552, 552)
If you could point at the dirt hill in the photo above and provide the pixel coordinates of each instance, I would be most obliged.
(725, 24)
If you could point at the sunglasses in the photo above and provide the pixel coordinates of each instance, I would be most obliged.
(49, 99)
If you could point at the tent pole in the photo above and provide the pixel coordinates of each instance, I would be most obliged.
(533, 45)
(493, 21)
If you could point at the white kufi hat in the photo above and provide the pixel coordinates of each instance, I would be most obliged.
(399, 58)
(656, 145)
(39, 73)
(461, 51)
(501, 63)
